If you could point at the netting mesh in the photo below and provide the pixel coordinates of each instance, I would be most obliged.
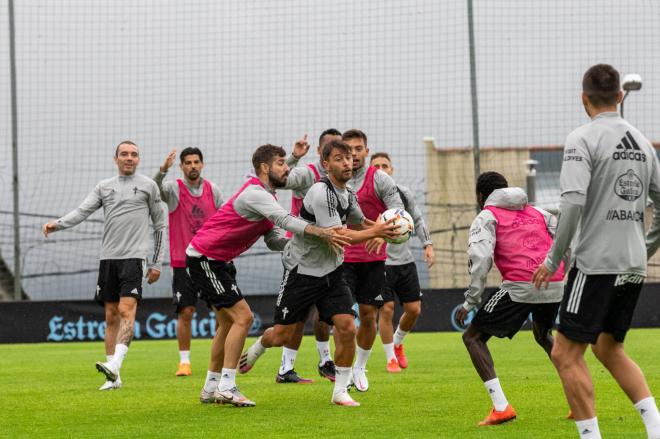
(229, 76)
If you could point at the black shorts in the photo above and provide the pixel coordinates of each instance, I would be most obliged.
(598, 303)
(215, 281)
(299, 292)
(366, 282)
(402, 281)
(119, 278)
(184, 292)
(502, 317)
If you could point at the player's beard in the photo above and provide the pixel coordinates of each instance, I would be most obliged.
(342, 177)
(277, 182)
(193, 175)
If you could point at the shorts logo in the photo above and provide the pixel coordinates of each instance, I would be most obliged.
(178, 296)
(629, 278)
(98, 290)
(629, 186)
(285, 311)
(134, 291)
(379, 298)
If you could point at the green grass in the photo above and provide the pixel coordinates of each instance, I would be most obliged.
(49, 390)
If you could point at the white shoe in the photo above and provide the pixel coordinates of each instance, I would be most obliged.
(206, 397)
(344, 399)
(111, 385)
(360, 381)
(232, 396)
(108, 370)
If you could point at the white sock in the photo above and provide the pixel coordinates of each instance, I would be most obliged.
(108, 358)
(228, 379)
(212, 381)
(648, 410)
(496, 394)
(288, 360)
(120, 353)
(588, 428)
(324, 352)
(389, 351)
(342, 378)
(362, 357)
(399, 335)
(257, 348)
(184, 357)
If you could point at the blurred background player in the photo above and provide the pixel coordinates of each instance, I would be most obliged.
(249, 214)
(190, 202)
(129, 201)
(515, 235)
(313, 272)
(401, 277)
(300, 180)
(609, 171)
(364, 264)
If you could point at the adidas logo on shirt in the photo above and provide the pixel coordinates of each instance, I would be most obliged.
(628, 149)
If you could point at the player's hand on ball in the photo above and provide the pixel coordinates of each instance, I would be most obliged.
(374, 245)
(49, 228)
(300, 148)
(386, 229)
(152, 275)
(542, 276)
(169, 161)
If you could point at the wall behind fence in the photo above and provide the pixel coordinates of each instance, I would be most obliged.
(229, 76)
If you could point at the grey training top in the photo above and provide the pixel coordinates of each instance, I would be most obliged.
(128, 202)
(256, 203)
(384, 186)
(400, 254)
(302, 178)
(481, 247)
(169, 191)
(609, 169)
(313, 256)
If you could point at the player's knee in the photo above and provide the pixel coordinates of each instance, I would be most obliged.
(387, 310)
(414, 309)
(558, 356)
(345, 328)
(186, 314)
(470, 339)
(607, 354)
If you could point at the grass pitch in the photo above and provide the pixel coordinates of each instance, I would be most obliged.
(50, 390)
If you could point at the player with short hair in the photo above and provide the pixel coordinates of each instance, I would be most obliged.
(401, 278)
(609, 171)
(249, 214)
(129, 201)
(300, 180)
(364, 264)
(190, 202)
(514, 235)
(313, 272)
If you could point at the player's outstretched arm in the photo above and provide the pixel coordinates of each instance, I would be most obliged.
(331, 235)
(90, 204)
(378, 230)
(157, 215)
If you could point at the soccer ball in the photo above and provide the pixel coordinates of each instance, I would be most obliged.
(401, 219)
